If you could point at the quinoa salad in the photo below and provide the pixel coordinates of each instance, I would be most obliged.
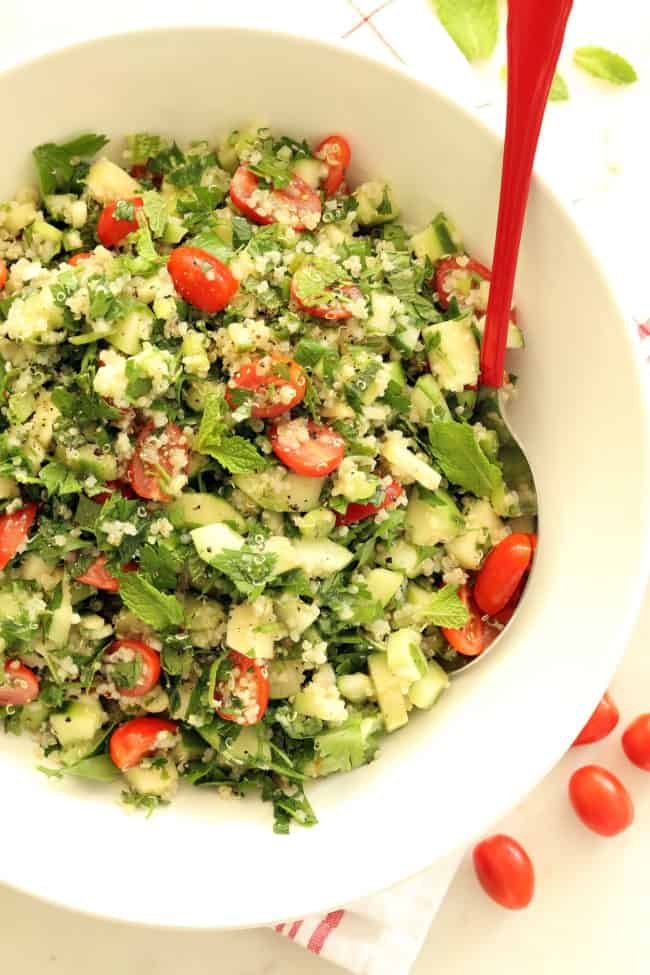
(255, 505)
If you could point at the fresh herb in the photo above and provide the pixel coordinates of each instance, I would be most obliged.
(312, 283)
(458, 453)
(601, 63)
(155, 608)
(57, 479)
(155, 210)
(235, 453)
(249, 569)
(60, 166)
(559, 91)
(318, 356)
(473, 25)
(443, 608)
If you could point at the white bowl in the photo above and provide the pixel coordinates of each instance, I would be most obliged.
(206, 862)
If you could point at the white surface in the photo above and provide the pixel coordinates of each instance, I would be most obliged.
(591, 906)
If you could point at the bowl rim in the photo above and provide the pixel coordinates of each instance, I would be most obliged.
(354, 888)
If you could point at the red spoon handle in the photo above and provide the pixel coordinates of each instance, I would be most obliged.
(535, 34)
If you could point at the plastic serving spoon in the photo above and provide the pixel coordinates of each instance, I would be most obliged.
(536, 31)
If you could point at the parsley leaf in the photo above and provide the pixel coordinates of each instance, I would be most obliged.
(473, 25)
(209, 241)
(58, 480)
(235, 453)
(312, 283)
(319, 356)
(601, 63)
(248, 569)
(456, 449)
(155, 211)
(157, 609)
(57, 165)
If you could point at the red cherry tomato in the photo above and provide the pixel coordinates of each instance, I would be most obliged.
(338, 309)
(600, 800)
(636, 742)
(149, 661)
(78, 258)
(111, 231)
(98, 576)
(125, 490)
(603, 720)
(201, 279)
(278, 383)
(457, 267)
(4, 274)
(307, 448)
(476, 636)
(22, 684)
(502, 571)
(505, 871)
(297, 201)
(243, 696)
(335, 152)
(357, 512)
(14, 529)
(505, 615)
(137, 738)
(158, 455)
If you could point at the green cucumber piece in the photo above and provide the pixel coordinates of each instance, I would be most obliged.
(195, 510)
(424, 693)
(388, 692)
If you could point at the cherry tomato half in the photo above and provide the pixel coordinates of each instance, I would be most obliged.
(125, 490)
(501, 572)
(78, 258)
(14, 529)
(339, 307)
(357, 512)
(243, 696)
(600, 800)
(201, 279)
(149, 663)
(296, 205)
(307, 448)
(602, 721)
(112, 230)
(4, 274)
(476, 636)
(452, 273)
(336, 153)
(157, 456)
(278, 384)
(505, 871)
(22, 684)
(98, 576)
(636, 742)
(137, 738)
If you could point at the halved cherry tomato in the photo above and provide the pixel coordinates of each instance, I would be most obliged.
(4, 274)
(600, 800)
(201, 279)
(137, 738)
(502, 571)
(14, 529)
(149, 661)
(22, 685)
(443, 282)
(307, 448)
(505, 871)
(78, 258)
(151, 463)
(335, 152)
(602, 721)
(125, 490)
(110, 229)
(278, 382)
(476, 636)
(98, 576)
(357, 512)
(636, 742)
(338, 309)
(141, 171)
(244, 695)
(297, 202)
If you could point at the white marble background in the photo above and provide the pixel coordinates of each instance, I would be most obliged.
(590, 913)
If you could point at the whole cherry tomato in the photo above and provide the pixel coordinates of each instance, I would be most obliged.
(636, 742)
(505, 871)
(202, 279)
(600, 800)
(112, 227)
(602, 721)
(502, 571)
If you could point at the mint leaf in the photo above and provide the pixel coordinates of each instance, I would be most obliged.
(58, 480)
(319, 356)
(209, 241)
(57, 165)
(473, 25)
(445, 608)
(601, 63)
(157, 609)
(237, 455)
(141, 146)
(155, 211)
(456, 450)
(559, 89)
(312, 282)
(248, 569)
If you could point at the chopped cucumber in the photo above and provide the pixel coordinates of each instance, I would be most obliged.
(250, 628)
(87, 459)
(427, 401)
(424, 693)
(195, 510)
(311, 171)
(321, 558)
(80, 720)
(388, 692)
(129, 332)
(61, 619)
(107, 182)
(212, 540)
(483, 529)
(432, 518)
(153, 780)
(318, 523)
(356, 688)
(384, 309)
(404, 655)
(321, 698)
(250, 747)
(375, 203)
(515, 338)
(383, 584)
(437, 240)
(405, 465)
(295, 613)
(453, 353)
(403, 557)
(285, 678)
(281, 490)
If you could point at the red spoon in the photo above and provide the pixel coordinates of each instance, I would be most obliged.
(535, 33)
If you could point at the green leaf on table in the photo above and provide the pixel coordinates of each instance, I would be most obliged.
(559, 91)
(601, 63)
(158, 609)
(456, 449)
(472, 24)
